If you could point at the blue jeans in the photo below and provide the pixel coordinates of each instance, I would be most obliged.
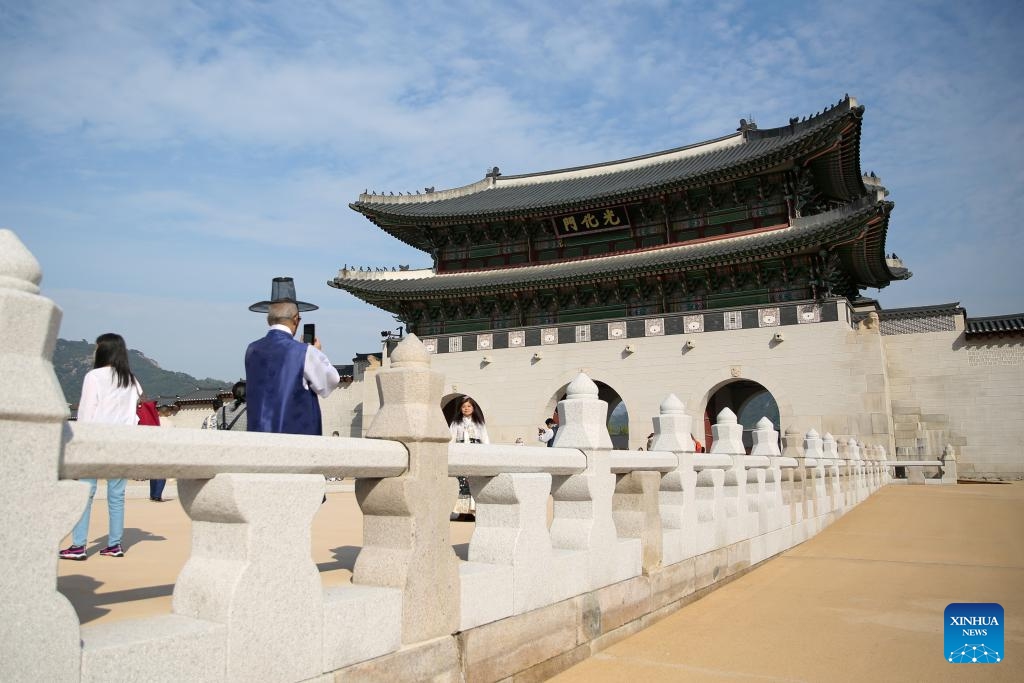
(156, 488)
(115, 507)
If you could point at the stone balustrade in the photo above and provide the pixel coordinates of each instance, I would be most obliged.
(632, 535)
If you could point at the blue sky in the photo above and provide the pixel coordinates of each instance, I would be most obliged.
(165, 160)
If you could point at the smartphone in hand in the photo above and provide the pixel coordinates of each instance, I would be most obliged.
(309, 333)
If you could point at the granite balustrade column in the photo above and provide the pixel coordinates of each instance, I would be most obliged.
(406, 542)
(38, 627)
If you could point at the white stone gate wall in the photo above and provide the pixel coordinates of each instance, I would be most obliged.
(950, 389)
(825, 376)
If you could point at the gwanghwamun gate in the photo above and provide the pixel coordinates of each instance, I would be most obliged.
(728, 272)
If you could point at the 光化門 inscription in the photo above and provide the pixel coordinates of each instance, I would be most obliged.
(611, 218)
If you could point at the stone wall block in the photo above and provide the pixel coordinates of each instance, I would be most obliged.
(168, 648)
(495, 651)
(360, 623)
(636, 514)
(41, 631)
(251, 569)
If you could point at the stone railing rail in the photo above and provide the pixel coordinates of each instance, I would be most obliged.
(632, 535)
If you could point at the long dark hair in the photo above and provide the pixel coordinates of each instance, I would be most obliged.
(238, 391)
(477, 416)
(112, 351)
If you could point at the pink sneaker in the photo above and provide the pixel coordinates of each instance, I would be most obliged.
(113, 551)
(74, 552)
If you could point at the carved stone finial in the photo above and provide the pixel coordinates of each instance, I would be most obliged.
(19, 269)
(726, 417)
(581, 387)
(410, 352)
(672, 406)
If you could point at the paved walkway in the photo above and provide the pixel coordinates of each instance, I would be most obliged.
(861, 601)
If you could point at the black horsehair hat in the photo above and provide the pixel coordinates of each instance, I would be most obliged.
(282, 290)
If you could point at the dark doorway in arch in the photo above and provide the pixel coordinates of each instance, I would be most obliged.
(749, 400)
(617, 418)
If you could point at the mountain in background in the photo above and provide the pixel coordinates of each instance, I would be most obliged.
(72, 359)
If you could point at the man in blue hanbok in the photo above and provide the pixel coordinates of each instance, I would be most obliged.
(285, 376)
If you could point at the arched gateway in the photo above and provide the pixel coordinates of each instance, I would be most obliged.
(748, 400)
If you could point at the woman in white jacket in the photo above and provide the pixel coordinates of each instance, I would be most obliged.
(110, 395)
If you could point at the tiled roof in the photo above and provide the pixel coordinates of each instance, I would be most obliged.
(996, 325)
(804, 233)
(204, 394)
(920, 311)
(538, 193)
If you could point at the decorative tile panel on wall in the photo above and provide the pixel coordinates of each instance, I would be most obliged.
(934, 323)
(808, 313)
(767, 317)
(617, 330)
(692, 323)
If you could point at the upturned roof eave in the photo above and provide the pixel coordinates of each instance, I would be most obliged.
(380, 213)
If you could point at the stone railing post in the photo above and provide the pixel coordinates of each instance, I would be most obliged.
(833, 483)
(678, 510)
(40, 630)
(406, 541)
(793, 479)
(251, 570)
(883, 467)
(863, 486)
(814, 457)
(512, 530)
(770, 507)
(949, 475)
(636, 514)
(728, 441)
(583, 502)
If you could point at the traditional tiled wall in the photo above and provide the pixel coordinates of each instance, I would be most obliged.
(632, 328)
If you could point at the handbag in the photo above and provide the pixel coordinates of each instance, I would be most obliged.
(148, 415)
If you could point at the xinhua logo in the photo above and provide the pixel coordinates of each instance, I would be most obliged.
(974, 633)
